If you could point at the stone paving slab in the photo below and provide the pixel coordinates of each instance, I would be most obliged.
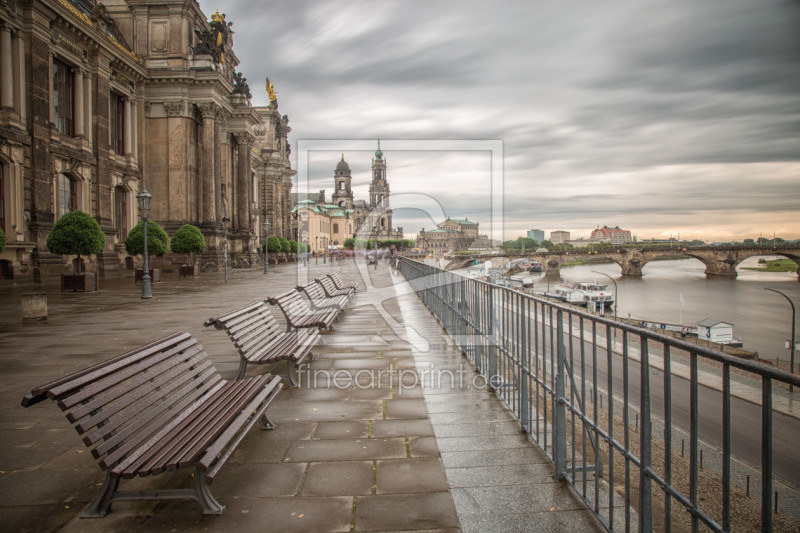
(379, 453)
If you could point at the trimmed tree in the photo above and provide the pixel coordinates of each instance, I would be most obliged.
(187, 240)
(2, 241)
(349, 243)
(76, 233)
(302, 247)
(293, 246)
(273, 245)
(157, 240)
(285, 247)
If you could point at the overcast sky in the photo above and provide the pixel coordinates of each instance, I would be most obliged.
(663, 117)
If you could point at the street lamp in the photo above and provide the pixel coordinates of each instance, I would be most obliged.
(616, 292)
(324, 250)
(266, 246)
(316, 250)
(143, 199)
(791, 346)
(225, 221)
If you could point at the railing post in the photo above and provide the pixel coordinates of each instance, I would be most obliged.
(560, 414)
(645, 486)
(493, 337)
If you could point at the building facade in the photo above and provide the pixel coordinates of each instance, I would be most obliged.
(557, 237)
(536, 234)
(613, 235)
(449, 236)
(345, 217)
(101, 100)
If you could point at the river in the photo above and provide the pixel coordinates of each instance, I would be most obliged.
(761, 319)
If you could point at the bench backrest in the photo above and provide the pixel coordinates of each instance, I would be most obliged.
(122, 403)
(329, 288)
(251, 327)
(291, 303)
(314, 291)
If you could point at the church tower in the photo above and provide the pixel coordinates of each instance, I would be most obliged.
(343, 193)
(379, 195)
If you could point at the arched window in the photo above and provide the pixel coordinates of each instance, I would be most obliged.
(63, 97)
(121, 212)
(67, 195)
(383, 222)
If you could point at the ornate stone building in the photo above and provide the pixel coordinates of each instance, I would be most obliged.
(450, 235)
(99, 100)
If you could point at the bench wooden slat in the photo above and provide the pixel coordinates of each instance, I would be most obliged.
(320, 300)
(337, 281)
(159, 407)
(297, 312)
(259, 339)
(330, 289)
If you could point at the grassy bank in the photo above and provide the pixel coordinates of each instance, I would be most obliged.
(777, 265)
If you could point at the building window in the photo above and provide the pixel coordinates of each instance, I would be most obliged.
(67, 195)
(341, 185)
(336, 228)
(121, 213)
(117, 119)
(63, 98)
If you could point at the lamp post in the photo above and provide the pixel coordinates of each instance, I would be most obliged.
(225, 221)
(616, 292)
(316, 250)
(266, 246)
(324, 250)
(791, 346)
(143, 199)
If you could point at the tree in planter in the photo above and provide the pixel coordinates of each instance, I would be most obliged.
(2, 241)
(76, 233)
(273, 245)
(157, 240)
(285, 246)
(293, 246)
(187, 240)
(302, 247)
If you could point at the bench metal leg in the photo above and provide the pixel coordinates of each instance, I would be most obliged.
(102, 503)
(289, 376)
(206, 500)
(242, 368)
(264, 422)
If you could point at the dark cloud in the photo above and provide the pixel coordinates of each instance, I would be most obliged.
(604, 94)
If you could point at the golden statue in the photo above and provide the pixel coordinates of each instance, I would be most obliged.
(271, 91)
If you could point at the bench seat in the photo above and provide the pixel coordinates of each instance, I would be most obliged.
(260, 340)
(157, 408)
(321, 301)
(299, 314)
(339, 284)
(330, 289)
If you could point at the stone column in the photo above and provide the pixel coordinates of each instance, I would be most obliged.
(19, 74)
(127, 125)
(209, 192)
(79, 103)
(244, 141)
(50, 84)
(87, 106)
(6, 69)
(134, 130)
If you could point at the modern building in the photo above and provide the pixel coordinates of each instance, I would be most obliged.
(100, 100)
(536, 234)
(558, 237)
(450, 235)
(613, 235)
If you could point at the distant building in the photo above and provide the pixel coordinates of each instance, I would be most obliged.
(557, 237)
(450, 235)
(613, 235)
(536, 234)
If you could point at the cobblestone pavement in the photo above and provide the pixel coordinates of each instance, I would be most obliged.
(363, 445)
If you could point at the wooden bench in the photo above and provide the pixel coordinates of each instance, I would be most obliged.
(331, 290)
(321, 301)
(339, 284)
(260, 339)
(298, 314)
(158, 408)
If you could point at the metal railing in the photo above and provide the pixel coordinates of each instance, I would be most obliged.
(590, 391)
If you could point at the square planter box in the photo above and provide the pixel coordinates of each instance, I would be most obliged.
(85, 282)
(155, 275)
(189, 270)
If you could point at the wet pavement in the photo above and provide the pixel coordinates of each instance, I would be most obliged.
(369, 442)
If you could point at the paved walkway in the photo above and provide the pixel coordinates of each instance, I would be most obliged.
(367, 443)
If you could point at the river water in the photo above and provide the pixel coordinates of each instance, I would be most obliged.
(761, 319)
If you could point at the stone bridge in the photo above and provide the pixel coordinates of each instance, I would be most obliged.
(719, 261)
